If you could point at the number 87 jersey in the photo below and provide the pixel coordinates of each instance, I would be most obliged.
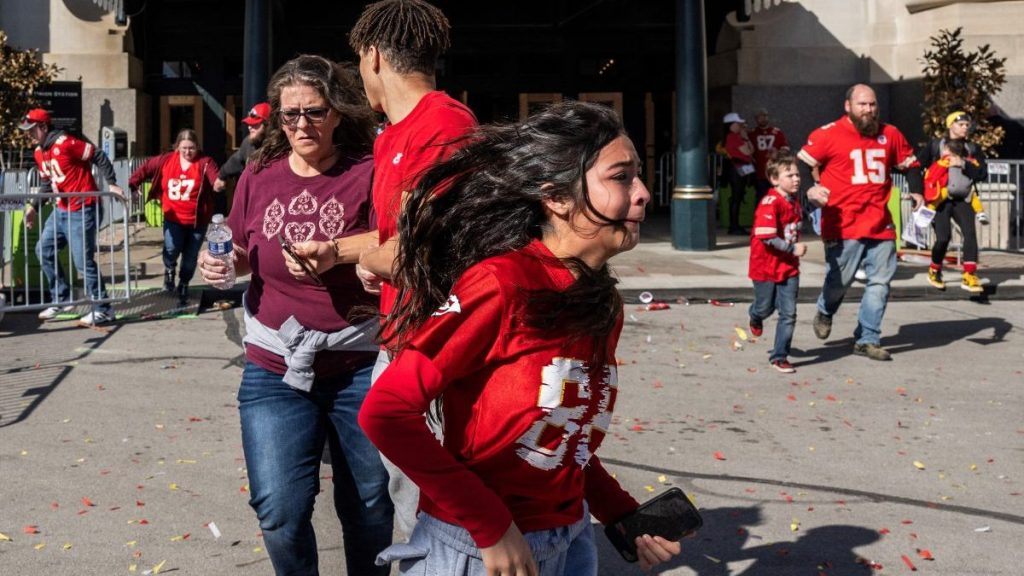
(857, 171)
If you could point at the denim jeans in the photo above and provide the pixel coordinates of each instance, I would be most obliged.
(842, 258)
(439, 549)
(185, 241)
(781, 296)
(283, 435)
(78, 230)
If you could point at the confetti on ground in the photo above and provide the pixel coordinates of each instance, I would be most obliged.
(156, 569)
(4, 537)
(663, 479)
(40, 546)
(741, 333)
(794, 525)
(30, 530)
(86, 502)
(906, 560)
(213, 529)
(719, 456)
(925, 554)
(983, 529)
(918, 464)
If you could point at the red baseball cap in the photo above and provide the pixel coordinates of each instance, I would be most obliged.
(34, 116)
(259, 114)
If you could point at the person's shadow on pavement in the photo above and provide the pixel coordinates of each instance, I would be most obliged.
(726, 538)
(919, 336)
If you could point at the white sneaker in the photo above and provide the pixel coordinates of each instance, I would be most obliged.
(54, 311)
(95, 317)
(983, 218)
(860, 275)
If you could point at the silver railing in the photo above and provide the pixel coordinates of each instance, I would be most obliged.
(1001, 197)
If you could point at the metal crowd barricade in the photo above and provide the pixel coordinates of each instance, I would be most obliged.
(1001, 197)
(22, 276)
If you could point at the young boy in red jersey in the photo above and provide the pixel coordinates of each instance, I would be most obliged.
(775, 253)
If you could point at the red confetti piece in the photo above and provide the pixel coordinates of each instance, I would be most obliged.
(719, 456)
(186, 535)
(100, 387)
(883, 531)
(636, 428)
(720, 303)
(83, 511)
(86, 501)
(140, 503)
(925, 554)
(658, 384)
(906, 521)
(791, 398)
(54, 505)
(658, 306)
(30, 530)
(901, 391)
(906, 560)
(830, 398)
(243, 489)
(143, 521)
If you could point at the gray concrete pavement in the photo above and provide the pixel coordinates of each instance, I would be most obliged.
(814, 474)
(813, 470)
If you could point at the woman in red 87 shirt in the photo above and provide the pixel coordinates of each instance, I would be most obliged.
(183, 182)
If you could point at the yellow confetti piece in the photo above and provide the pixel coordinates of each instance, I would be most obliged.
(811, 403)
(177, 538)
(810, 448)
(66, 420)
(918, 464)
(131, 543)
(4, 537)
(741, 333)
(133, 567)
(67, 546)
(649, 488)
(795, 525)
(947, 498)
(257, 549)
(158, 567)
(40, 546)
(706, 356)
(173, 486)
(942, 475)
(973, 467)
(663, 479)
(24, 452)
(180, 461)
(80, 460)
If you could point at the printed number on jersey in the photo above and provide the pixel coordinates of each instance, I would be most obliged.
(567, 395)
(766, 142)
(868, 166)
(180, 189)
(52, 171)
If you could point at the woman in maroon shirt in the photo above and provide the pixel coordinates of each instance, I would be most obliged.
(309, 348)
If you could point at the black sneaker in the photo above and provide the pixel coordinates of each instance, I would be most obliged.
(873, 351)
(756, 327)
(822, 326)
(182, 294)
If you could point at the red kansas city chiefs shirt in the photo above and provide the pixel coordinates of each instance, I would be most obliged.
(776, 216)
(524, 409)
(67, 164)
(857, 171)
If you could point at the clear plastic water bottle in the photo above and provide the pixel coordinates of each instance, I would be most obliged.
(218, 239)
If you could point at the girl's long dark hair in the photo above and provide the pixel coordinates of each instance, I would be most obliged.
(487, 199)
(340, 86)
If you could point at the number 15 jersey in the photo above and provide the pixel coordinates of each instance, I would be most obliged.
(857, 170)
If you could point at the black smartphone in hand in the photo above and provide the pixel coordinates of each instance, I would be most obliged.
(670, 515)
(301, 261)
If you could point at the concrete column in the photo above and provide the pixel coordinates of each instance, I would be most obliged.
(693, 223)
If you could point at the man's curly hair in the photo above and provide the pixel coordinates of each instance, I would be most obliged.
(410, 34)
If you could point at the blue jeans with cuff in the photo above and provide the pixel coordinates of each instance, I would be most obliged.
(283, 435)
(777, 296)
(842, 258)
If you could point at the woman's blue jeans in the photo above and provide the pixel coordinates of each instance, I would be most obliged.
(185, 241)
(283, 435)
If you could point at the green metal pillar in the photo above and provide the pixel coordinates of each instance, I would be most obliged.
(693, 222)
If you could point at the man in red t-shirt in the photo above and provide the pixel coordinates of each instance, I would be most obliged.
(398, 42)
(854, 156)
(766, 140)
(65, 163)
